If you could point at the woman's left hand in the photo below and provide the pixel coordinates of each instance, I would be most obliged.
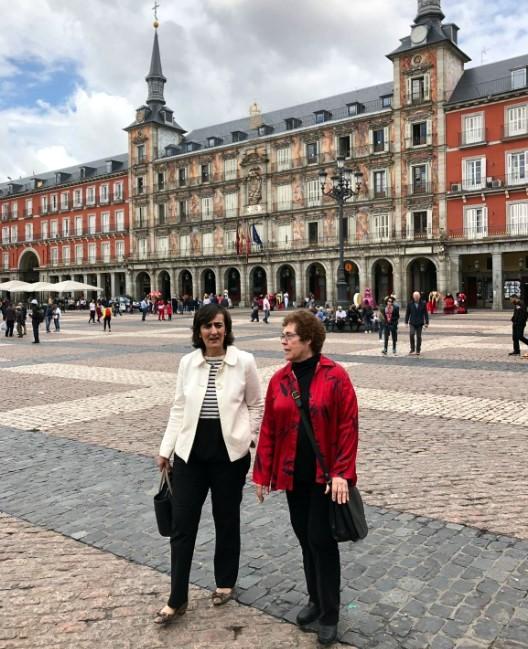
(339, 490)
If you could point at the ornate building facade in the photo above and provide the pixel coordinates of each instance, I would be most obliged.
(239, 206)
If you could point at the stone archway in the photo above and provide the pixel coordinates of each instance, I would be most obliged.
(382, 274)
(208, 282)
(232, 283)
(164, 283)
(143, 284)
(186, 284)
(421, 276)
(28, 266)
(286, 281)
(258, 282)
(316, 282)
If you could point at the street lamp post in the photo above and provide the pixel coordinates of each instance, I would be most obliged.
(341, 191)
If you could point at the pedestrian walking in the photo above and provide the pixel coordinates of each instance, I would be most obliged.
(24, 318)
(266, 308)
(10, 319)
(255, 310)
(19, 319)
(417, 318)
(107, 318)
(92, 309)
(518, 321)
(37, 316)
(143, 308)
(285, 458)
(168, 309)
(390, 317)
(99, 311)
(366, 315)
(216, 415)
(57, 315)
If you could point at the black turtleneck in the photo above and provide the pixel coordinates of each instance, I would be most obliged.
(304, 470)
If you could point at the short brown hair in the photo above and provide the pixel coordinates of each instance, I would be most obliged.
(204, 316)
(308, 327)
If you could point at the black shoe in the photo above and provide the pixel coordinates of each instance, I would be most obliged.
(308, 614)
(327, 634)
(514, 354)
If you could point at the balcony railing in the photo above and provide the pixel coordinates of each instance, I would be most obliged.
(491, 183)
(420, 188)
(413, 142)
(379, 193)
(140, 191)
(473, 137)
(515, 129)
(28, 212)
(518, 230)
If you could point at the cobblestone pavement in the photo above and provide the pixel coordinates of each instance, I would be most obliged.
(442, 467)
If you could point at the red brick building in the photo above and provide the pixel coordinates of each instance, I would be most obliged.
(68, 224)
(487, 182)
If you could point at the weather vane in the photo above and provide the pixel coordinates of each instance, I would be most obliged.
(155, 9)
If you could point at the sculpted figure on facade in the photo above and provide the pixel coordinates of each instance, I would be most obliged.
(219, 239)
(297, 229)
(296, 148)
(218, 202)
(195, 242)
(195, 206)
(217, 167)
(254, 186)
(297, 191)
(171, 173)
(362, 224)
(329, 224)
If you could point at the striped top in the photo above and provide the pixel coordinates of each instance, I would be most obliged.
(210, 403)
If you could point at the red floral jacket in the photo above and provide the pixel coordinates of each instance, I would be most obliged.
(334, 416)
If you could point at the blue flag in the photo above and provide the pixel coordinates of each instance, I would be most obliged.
(255, 236)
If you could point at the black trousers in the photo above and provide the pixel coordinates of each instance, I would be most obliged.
(10, 326)
(308, 506)
(191, 482)
(36, 326)
(415, 331)
(517, 336)
(105, 322)
(390, 330)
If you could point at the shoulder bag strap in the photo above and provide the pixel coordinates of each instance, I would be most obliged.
(309, 431)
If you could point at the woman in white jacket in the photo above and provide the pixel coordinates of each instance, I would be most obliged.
(216, 415)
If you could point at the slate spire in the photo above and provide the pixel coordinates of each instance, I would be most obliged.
(429, 10)
(155, 79)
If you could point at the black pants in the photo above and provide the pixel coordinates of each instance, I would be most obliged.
(415, 331)
(190, 483)
(105, 322)
(10, 326)
(309, 518)
(92, 317)
(388, 331)
(36, 326)
(517, 336)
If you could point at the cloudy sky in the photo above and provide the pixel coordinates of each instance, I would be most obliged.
(72, 71)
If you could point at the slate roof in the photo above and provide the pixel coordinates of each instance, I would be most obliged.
(437, 34)
(50, 180)
(369, 97)
(487, 80)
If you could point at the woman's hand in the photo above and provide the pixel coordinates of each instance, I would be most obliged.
(339, 490)
(260, 492)
(163, 463)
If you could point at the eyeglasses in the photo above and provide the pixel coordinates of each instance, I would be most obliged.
(288, 336)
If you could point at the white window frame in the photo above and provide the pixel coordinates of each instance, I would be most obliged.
(90, 196)
(120, 250)
(65, 200)
(284, 236)
(117, 191)
(28, 232)
(120, 220)
(411, 234)
(475, 221)
(92, 223)
(78, 226)
(104, 195)
(425, 93)
(470, 179)
(517, 172)
(44, 232)
(66, 254)
(473, 128)
(379, 192)
(54, 256)
(207, 207)
(518, 78)
(28, 210)
(230, 168)
(79, 253)
(92, 253)
(185, 245)
(5, 261)
(54, 229)
(231, 204)
(312, 192)
(516, 120)
(77, 197)
(54, 204)
(284, 159)
(5, 234)
(44, 204)
(229, 241)
(106, 253)
(105, 221)
(65, 227)
(284, 197)
(517, 218)
(379, 226)
(14, 233)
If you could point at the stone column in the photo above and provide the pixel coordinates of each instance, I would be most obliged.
(113, 287)
(331, 288)
(497, 280)
(398, 280)
(129, 284)
(364, 275)
(454, 274)
(300, 292)
(442, 275)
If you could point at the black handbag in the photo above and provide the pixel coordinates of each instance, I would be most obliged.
(347, 520)
(163, 505)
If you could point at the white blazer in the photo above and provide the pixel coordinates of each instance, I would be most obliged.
(240, 403)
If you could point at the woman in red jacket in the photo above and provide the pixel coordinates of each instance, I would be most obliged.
(285, 458)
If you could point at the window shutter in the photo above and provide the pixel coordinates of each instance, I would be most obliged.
(427, 87)
(409, 225)
(408, 134)
(429, 223)
(386, 143)
(485, 220)
(483, 178)
(409, 90)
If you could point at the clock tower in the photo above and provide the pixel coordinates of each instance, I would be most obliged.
(427, 66)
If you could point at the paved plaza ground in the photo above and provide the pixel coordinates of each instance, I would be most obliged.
(442, 466)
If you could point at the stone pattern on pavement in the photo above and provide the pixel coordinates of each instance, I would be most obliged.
(443, 443)
(414, 581)
(60, 594)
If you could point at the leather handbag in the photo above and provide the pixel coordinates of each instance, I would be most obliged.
(347, 520)
(163, 505)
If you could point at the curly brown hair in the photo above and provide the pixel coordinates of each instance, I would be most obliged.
(308, 327)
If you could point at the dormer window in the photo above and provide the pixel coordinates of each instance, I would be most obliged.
(292, 122)
(386, 101)
(518, 78)
(168, 116)
(322, 116)
(192, 146)
(238, 136)
(214, 141)
(355, 108)
(264, 129)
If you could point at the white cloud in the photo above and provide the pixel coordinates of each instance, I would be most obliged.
(218, 55)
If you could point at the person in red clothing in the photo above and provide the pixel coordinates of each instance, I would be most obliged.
(285, 458)
(161, 310)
